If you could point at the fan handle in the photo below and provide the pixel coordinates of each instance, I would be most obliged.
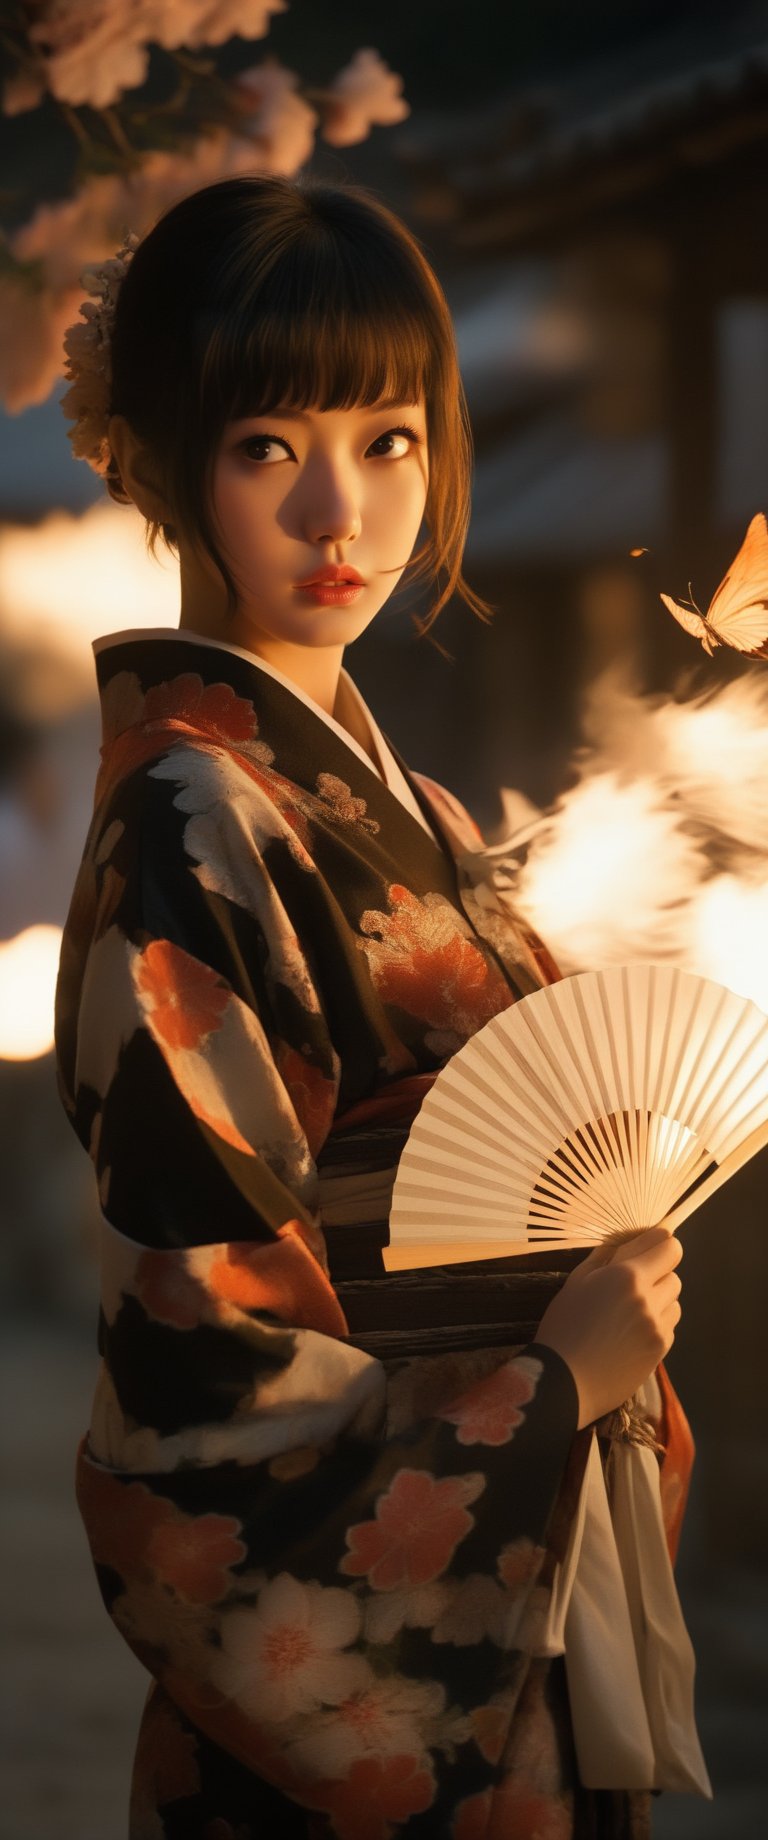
(410, 1255)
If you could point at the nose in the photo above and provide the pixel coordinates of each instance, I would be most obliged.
(332, 509)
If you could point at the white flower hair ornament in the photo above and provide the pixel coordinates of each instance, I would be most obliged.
(88, 345)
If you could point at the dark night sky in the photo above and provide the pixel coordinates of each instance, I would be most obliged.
(451, 51)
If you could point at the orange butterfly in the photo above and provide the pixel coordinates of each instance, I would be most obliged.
(737, 614)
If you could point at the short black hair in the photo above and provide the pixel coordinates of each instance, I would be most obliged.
(261, 291)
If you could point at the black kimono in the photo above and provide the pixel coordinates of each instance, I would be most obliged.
(325, 1526)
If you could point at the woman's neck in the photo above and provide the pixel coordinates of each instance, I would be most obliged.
(314, 670)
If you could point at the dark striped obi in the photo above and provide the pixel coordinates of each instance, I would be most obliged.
(440, 1309)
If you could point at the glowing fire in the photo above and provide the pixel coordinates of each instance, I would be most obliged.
(587, 885)
(70, 579)
(729, 934)
(28, 967)
(708, 752)
(61, 585)
(659, 850)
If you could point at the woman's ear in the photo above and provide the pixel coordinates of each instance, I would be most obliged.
(137, 471)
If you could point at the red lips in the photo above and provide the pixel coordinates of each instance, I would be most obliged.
(334, 572)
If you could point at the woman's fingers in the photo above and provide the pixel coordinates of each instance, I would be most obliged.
(615, 1317)
(656, 1249)
(669, 1321)
(666, 1288)
(666, 1303)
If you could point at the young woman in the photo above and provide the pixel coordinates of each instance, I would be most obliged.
(325, 1506)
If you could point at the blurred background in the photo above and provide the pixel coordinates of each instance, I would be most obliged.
(591, 185)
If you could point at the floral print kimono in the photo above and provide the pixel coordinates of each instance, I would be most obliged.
(322, 1514)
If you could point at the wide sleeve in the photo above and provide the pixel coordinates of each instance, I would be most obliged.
(324, 1586)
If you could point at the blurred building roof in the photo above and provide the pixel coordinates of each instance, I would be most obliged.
(547, 491)
(604, 131)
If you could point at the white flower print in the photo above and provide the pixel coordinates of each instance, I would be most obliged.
(286, 1654)
(478, 1609)
(385, 1721)
(389, 1612)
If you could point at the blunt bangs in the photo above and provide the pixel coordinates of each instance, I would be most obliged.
(335, 345)
(263, 292)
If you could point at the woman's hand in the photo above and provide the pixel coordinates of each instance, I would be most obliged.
(615, 1318)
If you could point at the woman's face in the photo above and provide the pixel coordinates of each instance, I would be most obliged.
(296, 491)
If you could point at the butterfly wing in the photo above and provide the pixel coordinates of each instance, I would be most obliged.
(738, 611)
(691, 621)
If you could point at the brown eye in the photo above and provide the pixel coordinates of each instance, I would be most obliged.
(408, 435)
(262, 443)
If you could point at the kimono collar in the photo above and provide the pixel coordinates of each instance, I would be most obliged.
(387, 765)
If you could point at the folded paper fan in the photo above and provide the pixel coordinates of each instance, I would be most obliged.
(603, 1104)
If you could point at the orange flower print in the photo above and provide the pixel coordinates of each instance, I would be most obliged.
(139, 1534)
(140, 728)
(168, 1290)
(120, 1517)
(419, 1523)
(424, 963)
(185, 999)
(377, 1795)
(519, 1563)
(212, 709)
(472, 1815)
(282, 1276)
(513, 1811)
(192, 1553)
(490, 1726)
(394, 1714)
(312, 1095)
(491, 1410)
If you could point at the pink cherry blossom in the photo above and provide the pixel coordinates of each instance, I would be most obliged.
(514, 1807)
(213, 22)
(381, 1722)
(419, 1522)
(490, 1411)
(32, 328)
(519, 1563)
(90, 51)
(287, 1654)
(365, 92)
(377, 1796)
(280, 121)
(86, 229)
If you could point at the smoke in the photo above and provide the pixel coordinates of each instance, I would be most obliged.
(708, 753)
(660, 848)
